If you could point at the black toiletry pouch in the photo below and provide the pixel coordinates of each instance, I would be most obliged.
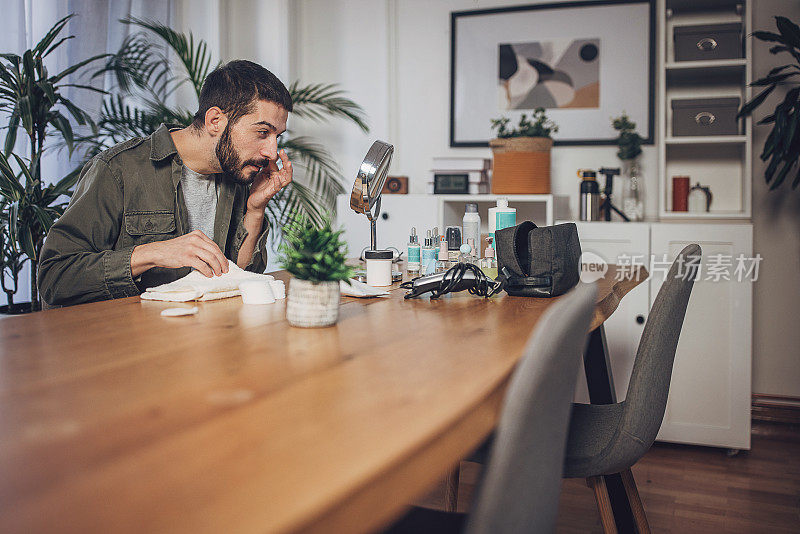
(538, 262)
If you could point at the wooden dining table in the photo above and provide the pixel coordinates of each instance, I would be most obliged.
(114, 418)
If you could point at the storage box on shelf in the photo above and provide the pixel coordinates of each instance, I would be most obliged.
(720, 159)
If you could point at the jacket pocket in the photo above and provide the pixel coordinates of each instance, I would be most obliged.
(143, 223)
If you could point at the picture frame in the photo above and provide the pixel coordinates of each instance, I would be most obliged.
(568, 57)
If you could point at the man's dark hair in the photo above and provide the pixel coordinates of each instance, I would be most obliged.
(235, 87)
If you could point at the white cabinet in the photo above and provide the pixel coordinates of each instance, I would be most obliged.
(710, 395)
(613, 241)
(709, 399)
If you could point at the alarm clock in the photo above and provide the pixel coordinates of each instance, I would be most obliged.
(451, 183)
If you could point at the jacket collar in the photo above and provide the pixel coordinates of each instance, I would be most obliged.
(161, 144)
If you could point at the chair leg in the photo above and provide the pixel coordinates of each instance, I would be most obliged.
(598, 485)
(636, 502)
(451, 490)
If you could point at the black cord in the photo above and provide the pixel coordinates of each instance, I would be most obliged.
(484, 286)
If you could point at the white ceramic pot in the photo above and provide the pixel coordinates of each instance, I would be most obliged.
(312, 304)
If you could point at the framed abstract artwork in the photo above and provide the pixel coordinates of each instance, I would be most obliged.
(583, 62)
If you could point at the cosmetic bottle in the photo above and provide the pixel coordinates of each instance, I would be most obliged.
(501, 216)
(454, 242)
(413, 252)
(443, 263)
(428, 256)
(467, 255)
(471, 226)
(488, 263)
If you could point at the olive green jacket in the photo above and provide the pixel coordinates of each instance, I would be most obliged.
(127, 196)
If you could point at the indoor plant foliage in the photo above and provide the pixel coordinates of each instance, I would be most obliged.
(630, 148)
(148, 71)
(782, 147)
(540, 127)
(33, 100)
(629, 142)
(522, 154)
(314, 254)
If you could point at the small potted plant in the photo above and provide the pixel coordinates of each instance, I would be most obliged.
(522, 155)
(315, 256)
(630, 147)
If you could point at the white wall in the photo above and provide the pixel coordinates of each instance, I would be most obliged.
(393, 56)
(776, 236)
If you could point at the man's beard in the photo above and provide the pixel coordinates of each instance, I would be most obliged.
(230, 162)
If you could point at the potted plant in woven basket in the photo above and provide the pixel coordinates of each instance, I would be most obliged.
(522, 155)
(315, 256)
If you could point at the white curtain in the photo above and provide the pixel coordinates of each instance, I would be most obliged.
(97, 30)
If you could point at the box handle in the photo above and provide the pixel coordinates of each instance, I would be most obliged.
(706, 44)
(704, 118)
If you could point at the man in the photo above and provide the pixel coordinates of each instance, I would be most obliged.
(149, 210)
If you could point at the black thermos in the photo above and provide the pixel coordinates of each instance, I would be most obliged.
(590, 196)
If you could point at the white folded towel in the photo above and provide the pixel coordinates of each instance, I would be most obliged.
(196, 286)
(360, 289)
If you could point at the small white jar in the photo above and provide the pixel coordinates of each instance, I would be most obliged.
(379, 267)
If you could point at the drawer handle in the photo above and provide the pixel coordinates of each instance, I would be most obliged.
(706, 44)
(640, 319)
(704, 118)
(385, 216)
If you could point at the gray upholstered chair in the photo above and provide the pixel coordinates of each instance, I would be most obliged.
(607, 439)
(521, 485)
(610, 438)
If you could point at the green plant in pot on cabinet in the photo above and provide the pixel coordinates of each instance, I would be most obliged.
(782, 147)
(522, 155)
(33, 100)
(630, 148)
(315, 256)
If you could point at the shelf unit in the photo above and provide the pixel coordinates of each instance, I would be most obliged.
(542, 209)
(723, 163)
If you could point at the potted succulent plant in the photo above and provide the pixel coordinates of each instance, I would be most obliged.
(522, 155)
(315, 256)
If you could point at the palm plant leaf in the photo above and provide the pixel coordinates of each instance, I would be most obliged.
(319, 101)
(782, 146)
(195, 58)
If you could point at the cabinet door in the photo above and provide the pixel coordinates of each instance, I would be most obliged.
(614, 242)
(398, 214)
(709, 397)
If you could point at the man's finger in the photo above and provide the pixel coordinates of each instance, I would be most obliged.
(214, 250)
(199, 265)
(284, 159)
(211, 259)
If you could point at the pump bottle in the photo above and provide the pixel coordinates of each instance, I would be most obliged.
(413, 252)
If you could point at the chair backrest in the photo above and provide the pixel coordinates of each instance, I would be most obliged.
(522, 481)
(646, 399)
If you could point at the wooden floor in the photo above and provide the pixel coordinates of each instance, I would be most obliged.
(694, 489)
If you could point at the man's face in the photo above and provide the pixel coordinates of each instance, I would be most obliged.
(250, 144)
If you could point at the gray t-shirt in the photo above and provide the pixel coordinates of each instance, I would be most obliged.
(200, 196)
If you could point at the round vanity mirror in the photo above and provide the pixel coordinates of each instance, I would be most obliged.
(366, 195)
(371, 177)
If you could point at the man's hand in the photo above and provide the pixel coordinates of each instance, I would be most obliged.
(268, 182)
(194, 249)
